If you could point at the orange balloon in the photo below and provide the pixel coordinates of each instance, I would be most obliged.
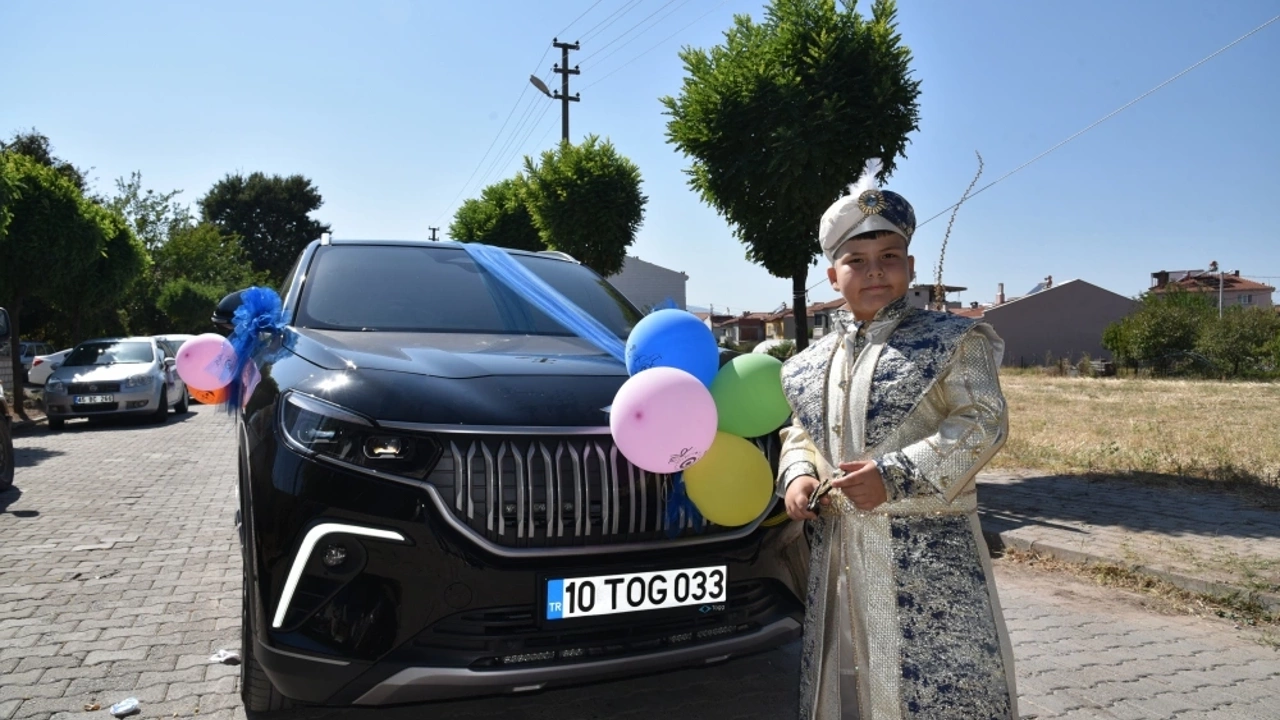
(209, 397)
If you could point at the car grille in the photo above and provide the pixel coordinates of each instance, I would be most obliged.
(492, 638)
(558, 491)
(87, 388)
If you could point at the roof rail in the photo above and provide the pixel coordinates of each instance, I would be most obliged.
(561, 255)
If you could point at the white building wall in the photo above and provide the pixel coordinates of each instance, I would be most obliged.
(647, 285)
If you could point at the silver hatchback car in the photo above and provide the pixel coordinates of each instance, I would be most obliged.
(115, 376)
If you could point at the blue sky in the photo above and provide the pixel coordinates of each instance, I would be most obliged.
(390, 105)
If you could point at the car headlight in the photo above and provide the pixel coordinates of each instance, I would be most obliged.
(138, 381)
(56, 387)
(327, 431)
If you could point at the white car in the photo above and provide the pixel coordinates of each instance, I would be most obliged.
(42, 366)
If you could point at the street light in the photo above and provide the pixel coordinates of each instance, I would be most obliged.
(1213, 267)
(537, 82)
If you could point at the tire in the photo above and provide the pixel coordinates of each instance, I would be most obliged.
(183, 404)
(256, 690)
(56, 424)
(6, 455)
(162, 412)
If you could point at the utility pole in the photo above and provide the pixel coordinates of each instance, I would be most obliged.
(433, 232)
(562, 68)
(1213, 267)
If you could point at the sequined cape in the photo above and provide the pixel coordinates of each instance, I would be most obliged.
(902, 616)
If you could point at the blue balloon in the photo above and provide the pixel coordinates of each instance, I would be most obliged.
(673, 338)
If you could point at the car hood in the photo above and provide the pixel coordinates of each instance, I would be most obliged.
(101, 373)
(454, 355)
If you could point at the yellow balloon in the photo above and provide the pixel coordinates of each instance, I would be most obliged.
(732, 483)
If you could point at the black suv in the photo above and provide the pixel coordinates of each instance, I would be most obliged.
(427, 481)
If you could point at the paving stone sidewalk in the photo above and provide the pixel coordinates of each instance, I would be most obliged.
(1205, 542)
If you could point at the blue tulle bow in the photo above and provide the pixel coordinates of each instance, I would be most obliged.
(681, 508)
(258, 318)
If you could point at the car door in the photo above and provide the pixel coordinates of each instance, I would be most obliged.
(171, 379)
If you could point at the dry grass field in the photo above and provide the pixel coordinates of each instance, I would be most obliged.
(1221, 431)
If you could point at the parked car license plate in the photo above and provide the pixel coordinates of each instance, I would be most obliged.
(634, 592)
(93, 399)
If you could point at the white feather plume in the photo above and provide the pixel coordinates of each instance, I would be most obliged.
(867, 180)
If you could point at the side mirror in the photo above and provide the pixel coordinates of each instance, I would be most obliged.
(4, 325)
(170, 362)
(224, 315)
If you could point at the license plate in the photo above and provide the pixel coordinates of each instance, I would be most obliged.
(635, 592)
(93, 399)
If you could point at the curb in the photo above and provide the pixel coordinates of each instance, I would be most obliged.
(998, 541)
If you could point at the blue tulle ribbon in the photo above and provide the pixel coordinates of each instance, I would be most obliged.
(258, 318)
(680, 508)
(498, 264)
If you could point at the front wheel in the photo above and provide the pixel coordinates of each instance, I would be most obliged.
(163, 410)
(183, 404)
(256, 690)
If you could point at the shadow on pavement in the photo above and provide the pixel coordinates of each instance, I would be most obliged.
(9, 497)
(1168, 505)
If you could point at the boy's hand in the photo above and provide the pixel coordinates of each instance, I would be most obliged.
(797, 498)
(862, 485)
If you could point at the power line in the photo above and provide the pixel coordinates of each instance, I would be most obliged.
(1101, 120)
(626, 8)
(629, 30)
(575, 20)
(1115, 112)
(656, 45)
(479, 164)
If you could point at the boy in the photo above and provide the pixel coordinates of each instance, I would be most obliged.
(893, 416)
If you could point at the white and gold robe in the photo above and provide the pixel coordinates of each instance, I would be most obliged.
(902, 617)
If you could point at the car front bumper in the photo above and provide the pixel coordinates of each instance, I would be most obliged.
(419, 612)
(125, 401)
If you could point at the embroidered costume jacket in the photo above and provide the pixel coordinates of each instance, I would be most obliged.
(902, 617)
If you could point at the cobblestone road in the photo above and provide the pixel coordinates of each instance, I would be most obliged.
(119, 576)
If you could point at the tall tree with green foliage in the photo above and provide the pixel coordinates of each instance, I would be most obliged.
(155, 216)
(193, 271)
(37, 146)
(498, 217)
(585, 200)
(270, 214)
(45, 223)
(91, 301)
(785, 114)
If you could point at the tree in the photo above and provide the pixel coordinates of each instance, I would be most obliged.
(1162, 331)
(187, 305)
(44, 223)
(36, 146)
(204, 254)
(271, 214)
(155, 216)
(499, 217)
(1242, 340)
(585, 200)
(784, 115)
(91, 300)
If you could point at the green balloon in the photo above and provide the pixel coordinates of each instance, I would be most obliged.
(749, 397)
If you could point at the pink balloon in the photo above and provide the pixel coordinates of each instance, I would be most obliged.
(663, 419)
(206, 362)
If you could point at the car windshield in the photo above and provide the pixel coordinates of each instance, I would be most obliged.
(439, 289)
(109, 353)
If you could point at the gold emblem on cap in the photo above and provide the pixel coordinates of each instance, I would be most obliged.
(871, 202)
